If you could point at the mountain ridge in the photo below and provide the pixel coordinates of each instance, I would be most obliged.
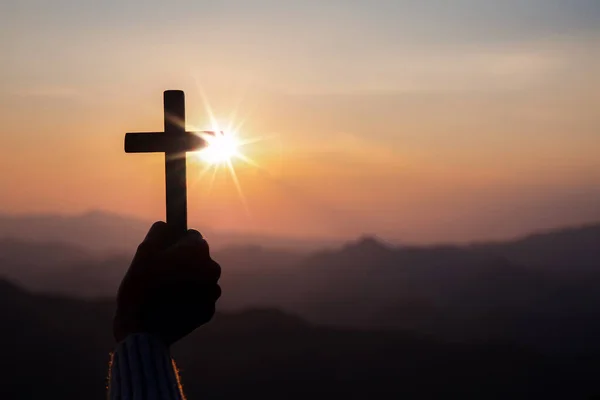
(109, 231)
(512, 290)
(269, 354)
(103, 231)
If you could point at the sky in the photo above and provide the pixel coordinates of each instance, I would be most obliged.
(419, 121)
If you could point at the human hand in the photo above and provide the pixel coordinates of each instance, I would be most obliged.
(170, 288)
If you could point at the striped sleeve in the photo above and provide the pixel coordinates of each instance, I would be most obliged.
(142, 369)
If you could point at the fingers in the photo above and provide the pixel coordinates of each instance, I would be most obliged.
(191, 249)
(189, 259)
(215, 270)
(194, 234)
(171, 285)
(192, 246)
(202, 306)
(157, 231)
(161, 236)
(199, 271)
(158, 238)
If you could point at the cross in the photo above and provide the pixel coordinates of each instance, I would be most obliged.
(175, 141)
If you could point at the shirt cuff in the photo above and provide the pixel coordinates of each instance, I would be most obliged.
(142, 369)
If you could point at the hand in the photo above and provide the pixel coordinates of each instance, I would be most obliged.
(170, 288)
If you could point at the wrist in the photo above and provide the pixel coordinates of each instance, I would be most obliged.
(126, 326)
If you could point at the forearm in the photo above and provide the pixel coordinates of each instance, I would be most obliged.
(142, 369)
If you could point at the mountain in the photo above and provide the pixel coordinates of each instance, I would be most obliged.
(36, 265)
(461, 293)
(96, 231)
(63, 344)
(574, 249)
(40, 254)
(511, 291)
(104, 232)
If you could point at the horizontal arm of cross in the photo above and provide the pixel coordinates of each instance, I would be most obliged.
(159, 142)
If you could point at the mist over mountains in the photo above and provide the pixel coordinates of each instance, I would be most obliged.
(486, 320)
(538, 291)
(104, 232)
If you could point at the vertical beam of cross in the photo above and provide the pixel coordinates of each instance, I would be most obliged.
(174, 142)
(175, 164)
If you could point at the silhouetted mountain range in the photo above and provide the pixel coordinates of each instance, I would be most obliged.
(56, 347)
(539, 291)
(95, 231)
(103, 232)
(577, 249)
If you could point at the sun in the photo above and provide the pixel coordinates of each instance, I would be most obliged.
(221, 147)
(224, 149)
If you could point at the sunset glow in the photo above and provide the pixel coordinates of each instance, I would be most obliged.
(421, 122)
(222, 147)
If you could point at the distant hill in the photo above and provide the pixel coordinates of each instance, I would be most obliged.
(538, 291)
(576, 248)
(40, 254)
(96, 231)
(57, 347)
(104, 232)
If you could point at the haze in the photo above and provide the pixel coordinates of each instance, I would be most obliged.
(418, 121)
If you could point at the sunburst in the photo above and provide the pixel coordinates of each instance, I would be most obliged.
(224, 147)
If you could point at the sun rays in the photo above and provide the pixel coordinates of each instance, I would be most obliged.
(224, 149)
(221, 147)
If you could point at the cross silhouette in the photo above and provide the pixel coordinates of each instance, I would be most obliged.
(175, 141)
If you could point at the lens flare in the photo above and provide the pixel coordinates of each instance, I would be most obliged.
(224, 149)
(221, 147)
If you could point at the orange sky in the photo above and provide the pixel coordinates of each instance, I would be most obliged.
(447, 135)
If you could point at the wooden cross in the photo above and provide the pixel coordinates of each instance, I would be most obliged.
(175, 141)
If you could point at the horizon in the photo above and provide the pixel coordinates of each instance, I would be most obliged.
(235, 239)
